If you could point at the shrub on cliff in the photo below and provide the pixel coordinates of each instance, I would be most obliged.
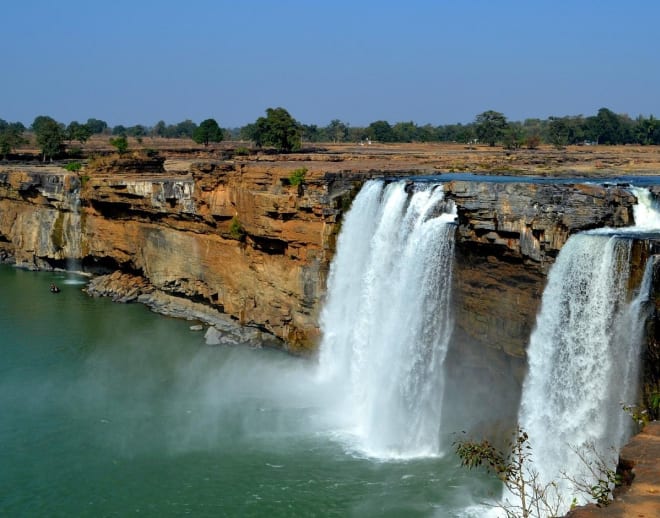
(236, 230)
(297, 176)
(531, 497)
(120, 144)
(73, 166)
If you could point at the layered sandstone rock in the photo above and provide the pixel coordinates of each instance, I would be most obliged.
(239, 238)
(508, 236)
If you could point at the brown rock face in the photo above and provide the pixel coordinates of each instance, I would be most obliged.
(238, 237)
(639, 460)
(508, 236)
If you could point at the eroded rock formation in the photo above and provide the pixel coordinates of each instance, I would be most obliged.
(509, 234)
(239, 238)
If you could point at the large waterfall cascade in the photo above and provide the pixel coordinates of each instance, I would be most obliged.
(584, 355)
(386, 322)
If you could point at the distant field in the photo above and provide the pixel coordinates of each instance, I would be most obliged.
(592, 160)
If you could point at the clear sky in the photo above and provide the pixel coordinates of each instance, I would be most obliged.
(429, 61)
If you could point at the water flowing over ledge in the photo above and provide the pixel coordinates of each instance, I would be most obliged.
(387, 322)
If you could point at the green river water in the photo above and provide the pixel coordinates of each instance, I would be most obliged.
(111, 410)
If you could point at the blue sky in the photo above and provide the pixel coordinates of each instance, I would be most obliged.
(438, 62)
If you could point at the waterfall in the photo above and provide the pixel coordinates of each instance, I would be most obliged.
(72, 234)
(646, 211)
(584, 356)
(386, 323)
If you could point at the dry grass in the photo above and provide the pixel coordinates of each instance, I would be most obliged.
(416, 157)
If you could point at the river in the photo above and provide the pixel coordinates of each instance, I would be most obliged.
(111, 410)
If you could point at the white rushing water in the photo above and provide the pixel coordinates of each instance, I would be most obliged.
(646, 211)
(386, 322)
(583, 356)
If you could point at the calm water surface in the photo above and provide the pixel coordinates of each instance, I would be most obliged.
(110, 410)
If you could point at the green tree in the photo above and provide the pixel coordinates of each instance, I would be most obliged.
(337, 131)
(380, 131)
(96, 126)
(311, 133)
(514, 136)
(647, 131)
(160, 129)
(490, 126)
(208, 131)
(50, 135)
(558, 131)
(11, 136)
(120, 143)
(77, 131)
(607, 127)
(136, 131)
(184, 129)
(278, 129)
(120, 129)
(404, 131)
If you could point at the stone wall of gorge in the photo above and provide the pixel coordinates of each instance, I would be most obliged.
(508, 236)
(238, 237)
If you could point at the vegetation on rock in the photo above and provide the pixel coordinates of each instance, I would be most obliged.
(73, 166)
(236, 230)
(120, 143)
(531, 497)
(297, 177)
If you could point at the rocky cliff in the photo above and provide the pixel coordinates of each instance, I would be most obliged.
(239, 238)
(509, 234)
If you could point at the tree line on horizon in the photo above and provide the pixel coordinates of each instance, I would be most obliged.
(279, 130)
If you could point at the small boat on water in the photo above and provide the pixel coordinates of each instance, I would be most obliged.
(54, 288)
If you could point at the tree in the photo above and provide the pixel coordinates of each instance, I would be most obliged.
(207, 131)
(184, 129)
(136, 131)
(558, 130)
(120, 143)
(609, 126)
(337, 131)
(278, 129)
(311, 133)
(77, 131)
(490, 126)
(11, 136)
(380, 131)
(49, 134)
(160, 129)
(513, 136)
(96, 126)
(404, 132)
(119, 129)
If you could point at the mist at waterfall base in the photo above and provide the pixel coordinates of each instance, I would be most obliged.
(109, 410)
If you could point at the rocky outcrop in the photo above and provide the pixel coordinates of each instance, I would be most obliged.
(508, 236)
(638, 463)
(239, 238)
